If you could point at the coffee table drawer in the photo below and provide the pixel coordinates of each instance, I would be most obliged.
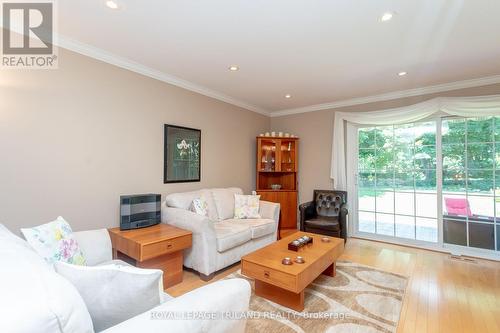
(166, 246)
(268, 275)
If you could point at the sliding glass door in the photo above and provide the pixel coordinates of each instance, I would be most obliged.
(471, 182)
(397, 194)
(434, 182)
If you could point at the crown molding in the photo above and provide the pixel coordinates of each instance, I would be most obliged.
(113, 59)
(484, 81)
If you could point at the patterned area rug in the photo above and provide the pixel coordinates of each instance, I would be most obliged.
(358, 299)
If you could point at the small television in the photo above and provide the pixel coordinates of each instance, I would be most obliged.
(139, 211)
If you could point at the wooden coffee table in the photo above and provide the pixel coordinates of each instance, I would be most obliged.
(285, 284)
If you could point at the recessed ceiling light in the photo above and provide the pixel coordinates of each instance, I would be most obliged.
(386, 17)
(233, 68)
(288, 96)
(402, 73)
(111, 4)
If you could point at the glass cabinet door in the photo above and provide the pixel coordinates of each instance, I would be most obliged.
(288, 155)
(267, 155)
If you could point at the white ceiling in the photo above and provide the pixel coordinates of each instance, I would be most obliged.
(318, 51)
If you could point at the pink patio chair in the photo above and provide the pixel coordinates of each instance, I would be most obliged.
(458, 207)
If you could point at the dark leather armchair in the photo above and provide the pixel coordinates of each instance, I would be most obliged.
(326, 214)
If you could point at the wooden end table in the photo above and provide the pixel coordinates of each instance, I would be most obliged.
(285, 284)
(159, 246)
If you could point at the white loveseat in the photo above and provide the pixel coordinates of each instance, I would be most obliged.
(219, 240)
(34, 298)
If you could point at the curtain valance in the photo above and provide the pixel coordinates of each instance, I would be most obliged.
(478, 106)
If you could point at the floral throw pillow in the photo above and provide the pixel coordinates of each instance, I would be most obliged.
(199, 206)
(246, 206)
(54, 241)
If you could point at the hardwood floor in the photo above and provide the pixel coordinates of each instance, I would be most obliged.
(286, 232)
(191, 280)
(443, 294)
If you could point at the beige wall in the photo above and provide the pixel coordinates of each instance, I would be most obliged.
(315, 130)
(73, 140)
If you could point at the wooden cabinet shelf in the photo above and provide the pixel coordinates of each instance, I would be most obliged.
(277, 163)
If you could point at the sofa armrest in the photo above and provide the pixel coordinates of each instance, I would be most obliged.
(95, 245)
(203, 252)
(344, 211)
(186, 219)
(269, 210)
(306, 212)
(212, 301)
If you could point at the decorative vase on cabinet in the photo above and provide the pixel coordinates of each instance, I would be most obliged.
(277, 167)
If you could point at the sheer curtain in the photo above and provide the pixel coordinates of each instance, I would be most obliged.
(480, 106)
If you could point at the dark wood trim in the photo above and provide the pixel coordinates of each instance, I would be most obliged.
(165, 156)
(208, 277)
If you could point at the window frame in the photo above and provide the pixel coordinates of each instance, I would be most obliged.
(353, 178)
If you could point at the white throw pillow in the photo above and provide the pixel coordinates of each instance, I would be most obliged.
(211, 208)
(54, 241)
(114, 293)
(246, 206)
(33, 297)
(199, 206)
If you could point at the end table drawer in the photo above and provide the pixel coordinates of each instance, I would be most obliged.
(166, 246)
(268, 275)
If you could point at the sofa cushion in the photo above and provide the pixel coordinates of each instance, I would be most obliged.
(184, 200)
(88, 240)
(6, 235)
(199, 206)
(229, 235)
(224, 201)
(116, 292)
(115, 262)
(246, 206)
(34, 298)
(166, 297)
(324, 222)
(258, 227)
(54, 241)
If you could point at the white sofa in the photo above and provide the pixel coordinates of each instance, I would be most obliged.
(219, 240)
(34, 298)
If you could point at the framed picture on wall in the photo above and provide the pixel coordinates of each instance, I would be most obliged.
(182, 155)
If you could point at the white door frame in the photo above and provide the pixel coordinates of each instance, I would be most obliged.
(352, 153)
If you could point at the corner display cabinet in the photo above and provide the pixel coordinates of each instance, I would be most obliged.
(277, 167)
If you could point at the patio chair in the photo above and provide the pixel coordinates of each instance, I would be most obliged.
(458, 207)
